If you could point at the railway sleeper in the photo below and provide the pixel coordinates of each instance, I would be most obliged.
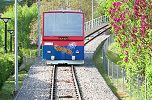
(67, 96)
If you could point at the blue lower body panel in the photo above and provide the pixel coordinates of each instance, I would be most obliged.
(62, 53)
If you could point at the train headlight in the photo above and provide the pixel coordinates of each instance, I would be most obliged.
(48, 51)
(77, 51)
(48, 43)
(73, 57)
(52, 57)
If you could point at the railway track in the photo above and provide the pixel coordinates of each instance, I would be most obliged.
(64, 84)
(96, 33)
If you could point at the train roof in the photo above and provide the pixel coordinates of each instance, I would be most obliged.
(63, 11)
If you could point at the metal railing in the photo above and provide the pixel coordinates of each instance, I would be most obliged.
(132, 88)
(95, 23)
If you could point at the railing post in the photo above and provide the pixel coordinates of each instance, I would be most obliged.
(103, 55)
(100, 20)
(95, 22)
(145, 88)
(117, 76)
(130, 85)
(85, 27)
(112, 70)
(123, 79)
(90, 25)
(138, 87)
(108, 67)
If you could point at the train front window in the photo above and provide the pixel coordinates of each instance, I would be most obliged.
(63, 24)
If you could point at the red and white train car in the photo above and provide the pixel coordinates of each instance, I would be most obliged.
(63, 37)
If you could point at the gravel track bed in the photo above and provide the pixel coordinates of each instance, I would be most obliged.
(91, 83)
(64, 84)
(36, 86)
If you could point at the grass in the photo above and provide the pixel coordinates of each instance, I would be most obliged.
(111, 83)
(7, 91)
(113, 56)
(98, 62)
(113, 53)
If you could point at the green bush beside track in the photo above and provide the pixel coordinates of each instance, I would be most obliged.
(7, 66)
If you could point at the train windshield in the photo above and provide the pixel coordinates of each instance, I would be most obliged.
(63, 24)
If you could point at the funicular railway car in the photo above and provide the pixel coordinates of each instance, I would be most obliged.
(63, 37)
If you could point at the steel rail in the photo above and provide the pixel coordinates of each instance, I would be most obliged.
(76, 83)
(106, 28)
(96, 30)
(53, 83)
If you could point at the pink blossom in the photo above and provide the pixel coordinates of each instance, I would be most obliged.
(137, 2)
(144, 35)
(123, 33)
(126, 59)
(142, 29)
(134, 36)
(143, 17)
(145, 25)
(124, 45)
(123, 26)
(114, 9)
(139, 7)
(142, 3)
(136, 10)
(134, 30)
(110, 11)
(116, 28)
(150, 45)
(116, 31)
(143, 32)
(122, 16)
(117, 4)
(117, 19)
(126, 52)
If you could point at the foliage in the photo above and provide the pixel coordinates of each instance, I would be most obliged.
(113, 53)
(7, 91)
(7, 3)
(25, 16)
(30, 52)
(100, 9)
(4, 4)
(29, 2)
(83, 5)
(6, 66)
(131, 22)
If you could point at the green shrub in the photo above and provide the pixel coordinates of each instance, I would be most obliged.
(7, 66)
(25, 16)
(29, 52)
